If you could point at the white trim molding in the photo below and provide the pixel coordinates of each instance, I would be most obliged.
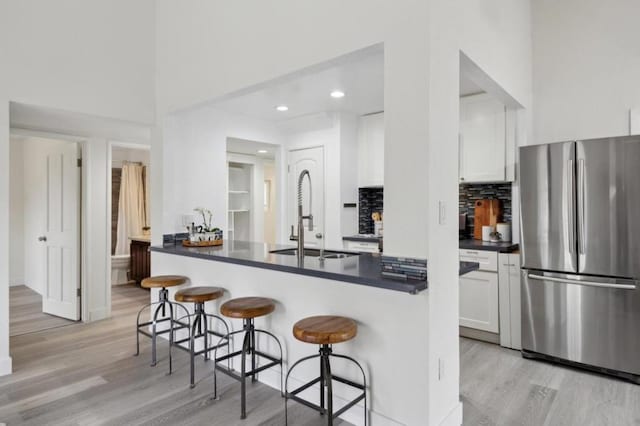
(5, 366)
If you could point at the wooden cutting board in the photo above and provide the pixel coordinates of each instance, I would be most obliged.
(487, 212)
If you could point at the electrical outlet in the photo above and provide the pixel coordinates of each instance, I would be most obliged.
(440, 369)
(441, 213)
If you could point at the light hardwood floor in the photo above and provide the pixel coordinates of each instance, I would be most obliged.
(85, 374)
(25, 312)
(499, 387)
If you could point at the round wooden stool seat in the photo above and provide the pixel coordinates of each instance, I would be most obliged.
(198, 294)
(247, 307)
(325, 329)
(164, 281)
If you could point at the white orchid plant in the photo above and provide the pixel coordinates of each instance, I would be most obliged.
(207, 215)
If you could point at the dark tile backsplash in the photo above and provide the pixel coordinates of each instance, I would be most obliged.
(469, 193)
(370, 201)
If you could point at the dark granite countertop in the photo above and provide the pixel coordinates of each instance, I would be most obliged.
(363, 238)
(501, 247)
(363, 269)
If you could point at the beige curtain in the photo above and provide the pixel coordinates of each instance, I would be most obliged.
(131, 206)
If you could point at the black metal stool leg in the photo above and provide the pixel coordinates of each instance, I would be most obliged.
(364, 384)
(243, 370)
(326, 379)
(253, 352)
(170, 337)
(148, 305)
(329, 384)
(192, 349)
(205, 326)
(282, 393)
(322, 387)
(154, 334)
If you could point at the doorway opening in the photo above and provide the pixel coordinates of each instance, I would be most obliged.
(129, 214)
(252, 194)
(45, 233)
(492, 125)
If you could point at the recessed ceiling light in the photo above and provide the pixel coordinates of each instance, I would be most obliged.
(282, 108)
(337, 94)
(262, 151)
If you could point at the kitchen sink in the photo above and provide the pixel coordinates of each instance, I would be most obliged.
(310, 252)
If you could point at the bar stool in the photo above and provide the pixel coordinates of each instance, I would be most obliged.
(200, 324)
(162, 282)
(247, 308)
(326, 331)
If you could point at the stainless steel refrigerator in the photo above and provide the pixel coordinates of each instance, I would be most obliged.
(580, 248)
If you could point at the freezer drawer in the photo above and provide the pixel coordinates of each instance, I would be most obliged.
(585, 319)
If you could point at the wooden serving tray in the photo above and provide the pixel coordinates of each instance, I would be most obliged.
(188, 243)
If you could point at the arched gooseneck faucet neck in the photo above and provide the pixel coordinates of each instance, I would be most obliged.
(301, 216)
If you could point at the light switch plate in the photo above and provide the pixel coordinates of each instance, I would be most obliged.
(634, 121)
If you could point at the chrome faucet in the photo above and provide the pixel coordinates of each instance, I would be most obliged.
(301, 217)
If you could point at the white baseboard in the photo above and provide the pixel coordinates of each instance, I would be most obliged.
(14, 282)
(5, 366)
(97, 315)
(454, 418)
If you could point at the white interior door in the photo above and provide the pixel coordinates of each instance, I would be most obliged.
(311, 159)
(62, 231)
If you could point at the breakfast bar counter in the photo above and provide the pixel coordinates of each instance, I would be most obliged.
(392, 316)
(363, 268)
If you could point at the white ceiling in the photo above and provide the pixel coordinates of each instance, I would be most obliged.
(468, 87)
(247, 147)
(37, 118)
(360, 77)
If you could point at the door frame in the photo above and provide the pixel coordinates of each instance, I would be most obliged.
(110, 145)
(83, 205)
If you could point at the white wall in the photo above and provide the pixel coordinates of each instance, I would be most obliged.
(5, 155)
(586, 56)
(95, 57)
(270, 219)
(121, 154)
(16, 214)
(422, 39)
(323, 129)
(348, 173)
(204, 131)
(195, 162)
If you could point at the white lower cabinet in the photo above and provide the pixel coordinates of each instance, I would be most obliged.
(362, 246)
(510, 315)
(490, 296)
(479, 301)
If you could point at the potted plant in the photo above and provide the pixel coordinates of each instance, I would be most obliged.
(206, 232)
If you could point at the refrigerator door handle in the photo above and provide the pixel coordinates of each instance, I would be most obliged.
(581, 208)
(572, 190)
(585, 283)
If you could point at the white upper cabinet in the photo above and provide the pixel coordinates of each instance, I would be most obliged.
(487, 134)
(371, 150)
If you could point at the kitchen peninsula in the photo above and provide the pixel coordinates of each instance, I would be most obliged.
(387, 310)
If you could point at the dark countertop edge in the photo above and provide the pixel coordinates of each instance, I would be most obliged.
(408, 286)
(363, 239)
(500, 247)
